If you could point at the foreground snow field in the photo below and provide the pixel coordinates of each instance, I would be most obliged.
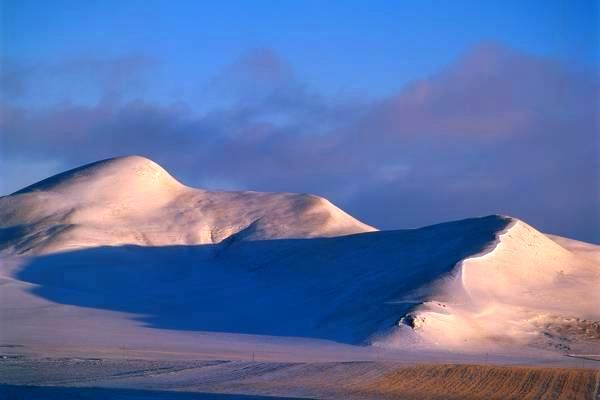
(118, 258)
(59, 379)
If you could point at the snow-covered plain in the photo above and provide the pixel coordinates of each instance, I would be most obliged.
(118, 257)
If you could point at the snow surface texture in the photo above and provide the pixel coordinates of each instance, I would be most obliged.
(118, 253)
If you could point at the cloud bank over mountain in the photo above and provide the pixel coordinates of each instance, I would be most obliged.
(496, 131)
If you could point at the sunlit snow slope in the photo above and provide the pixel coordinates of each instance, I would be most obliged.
(526, 288)
(132, 200)
(118, 250)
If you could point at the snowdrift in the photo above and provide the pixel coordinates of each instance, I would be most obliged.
(119, 250)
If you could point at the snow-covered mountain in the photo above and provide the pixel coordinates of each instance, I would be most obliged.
(120, 252)
(133, 200)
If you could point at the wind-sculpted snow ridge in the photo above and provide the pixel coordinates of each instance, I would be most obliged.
(132, 200)
(525, 288)
(120, 252)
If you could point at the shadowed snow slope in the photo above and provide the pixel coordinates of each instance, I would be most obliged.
(117, 251)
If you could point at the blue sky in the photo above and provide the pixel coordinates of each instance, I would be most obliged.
(332, 45)
(405, 113)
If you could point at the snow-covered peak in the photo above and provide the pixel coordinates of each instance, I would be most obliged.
(133, 200)
(110, 179)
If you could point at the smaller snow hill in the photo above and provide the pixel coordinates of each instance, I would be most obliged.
(527, 288)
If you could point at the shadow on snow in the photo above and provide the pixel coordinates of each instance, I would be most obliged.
(341, 289)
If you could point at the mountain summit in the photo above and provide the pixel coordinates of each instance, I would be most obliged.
(133, 200)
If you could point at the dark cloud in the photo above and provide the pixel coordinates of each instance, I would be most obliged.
(497, 131)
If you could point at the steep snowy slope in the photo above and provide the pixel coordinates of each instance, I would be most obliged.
(525, 289)
(119, 252)
(132, 200)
